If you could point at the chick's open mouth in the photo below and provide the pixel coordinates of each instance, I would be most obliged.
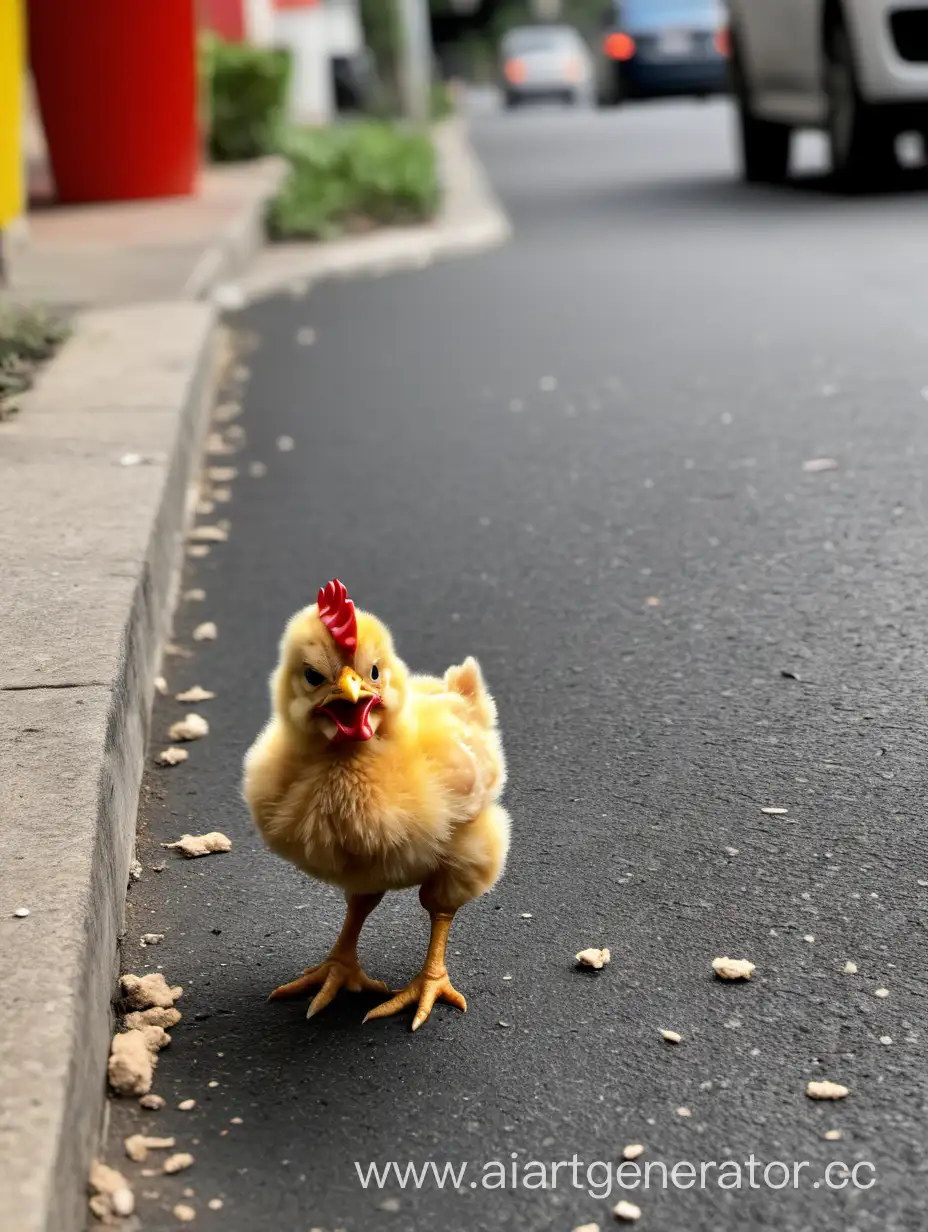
(351, 718)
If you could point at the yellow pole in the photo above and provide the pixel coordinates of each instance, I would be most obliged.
(11, 95)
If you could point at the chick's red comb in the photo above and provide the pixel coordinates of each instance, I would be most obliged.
(336, 611)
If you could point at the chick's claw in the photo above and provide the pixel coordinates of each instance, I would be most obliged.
(333, 975)
(424, 990)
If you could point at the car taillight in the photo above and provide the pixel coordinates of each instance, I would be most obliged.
(515, 72)
(619, 46)
(722, 41)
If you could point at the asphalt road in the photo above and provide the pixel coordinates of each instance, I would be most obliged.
(581, 457)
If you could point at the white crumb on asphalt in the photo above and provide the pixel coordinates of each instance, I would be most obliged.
(151, 939)
(833, 1135)
(198, 550)
(850, 968)
(184, 1213)
(195, 595)
(286, 444)
(525, 915)
(222, 474)
(195, 694)
(206, 632)
(172, 756)
(390, 1204)
(112, 1194)
(810, 937)
(672, 1037)
(547, 384)
(774, 811)
(143, 992)
(826, 1090)
(207, 534)
(886, 1039)
(881, 992)
(215, 1204)
(813, 465)
(186, 1105)
(306, 336)
(152, 1103)
(732, 968)
(161, 685)
(163, 1016)
(190, 727)
(257, 470)
(20, 913)
(178, 1163)
(587, 1227)
(597, 959)
(627, 1211)
(684, 1112)
(195, 845)
(634, 1150)
(137, 1146)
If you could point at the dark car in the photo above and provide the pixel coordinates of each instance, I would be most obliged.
(660, 48)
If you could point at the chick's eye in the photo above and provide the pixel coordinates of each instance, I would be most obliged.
(313, 677)
(375, 672)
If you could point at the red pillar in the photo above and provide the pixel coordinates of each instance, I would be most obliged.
(117, 88)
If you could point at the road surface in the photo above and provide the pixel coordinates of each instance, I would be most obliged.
(581, 457)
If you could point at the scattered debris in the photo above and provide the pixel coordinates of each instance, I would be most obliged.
(774, 812)
(652, 601)
(548, 384)
(525, 915)
(593, 958)
(143, 992)
(216, 445)
(886, 1039)
(161, 685)
(833, 1135)
(178, 1163)
(205, 507)
(196, 595)
(190, 727)
(732, 968)
(257, 470)
(222, 474)
(180, 652)
(850, 968)
(788, 675)
(151, 939)
(222, 495)
(215, 1204)
(171, 757)
(131, 1064)
(198, 550)
(810, 937)
(112, 1194)
(193, 845)
(152, 1103)
(135, 870)
(184, 1213)
(163, 1016)
(206, 632)
(187, 1105)
(286, 444)
(881, 992)
(196, 694)
(731, 851)
(20, 913)
(306, 337)
(587, 1227)
(672, 1037)
(138, 1145)
(236, 1121)
(684, 1112)
(634, 1150)
(826, 1090)
(627, 1211)
(812, 466)
(207, 534)
(390, 1204)
(516, 405)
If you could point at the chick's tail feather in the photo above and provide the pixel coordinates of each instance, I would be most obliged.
(466, 679)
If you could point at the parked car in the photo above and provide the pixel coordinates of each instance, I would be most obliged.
(545, 61)
(656, 48)
(856, 68)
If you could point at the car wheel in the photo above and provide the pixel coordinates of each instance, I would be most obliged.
(862, 144)
(613, 92)
(510, 102)
(764, 143)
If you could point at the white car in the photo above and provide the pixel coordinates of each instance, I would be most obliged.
(856, 68)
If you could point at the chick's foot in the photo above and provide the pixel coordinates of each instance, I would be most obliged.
(329, 977)
(424, 991)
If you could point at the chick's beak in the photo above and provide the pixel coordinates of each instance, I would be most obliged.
(350, 687)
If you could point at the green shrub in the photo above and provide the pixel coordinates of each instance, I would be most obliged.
(27, 336)
(246, 95)
(351, 176)
(443, 104)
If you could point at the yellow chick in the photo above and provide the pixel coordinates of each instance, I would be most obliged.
(374, 779)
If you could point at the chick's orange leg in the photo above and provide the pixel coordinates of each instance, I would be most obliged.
(341, 969)
(431, 983)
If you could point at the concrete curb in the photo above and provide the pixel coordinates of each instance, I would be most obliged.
(471, 220)
(90, 543)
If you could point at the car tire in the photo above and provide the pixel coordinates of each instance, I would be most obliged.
(861, 142)
(613, 93)
(510, 102)
(764, 143)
